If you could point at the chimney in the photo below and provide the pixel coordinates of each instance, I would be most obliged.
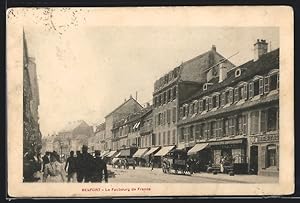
(222, 72)
(260, 48)
(213, 48)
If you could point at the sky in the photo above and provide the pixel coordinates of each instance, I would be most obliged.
(87, 71)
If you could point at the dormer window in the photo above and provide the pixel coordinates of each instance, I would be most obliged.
(271, 82)
(205, 86)
(237, 72)
(256, 87)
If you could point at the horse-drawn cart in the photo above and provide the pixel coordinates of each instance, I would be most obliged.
(176, 161)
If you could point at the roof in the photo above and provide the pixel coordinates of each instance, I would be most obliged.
(131, 99)
(251, 68)
(72, 125)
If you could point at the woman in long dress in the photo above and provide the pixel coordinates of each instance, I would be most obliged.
(54, 171)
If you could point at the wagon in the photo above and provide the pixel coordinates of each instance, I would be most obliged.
(176, 162)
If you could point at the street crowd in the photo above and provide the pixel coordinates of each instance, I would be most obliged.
(50, 168)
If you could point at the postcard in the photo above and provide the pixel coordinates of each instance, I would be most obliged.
(150, 101)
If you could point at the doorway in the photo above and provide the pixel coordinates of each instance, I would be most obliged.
(254, 159)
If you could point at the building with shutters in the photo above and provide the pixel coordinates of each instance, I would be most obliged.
(177, 85)
(126, 109)
(237, 116)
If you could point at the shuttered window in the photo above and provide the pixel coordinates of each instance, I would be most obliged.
(197, 131)
(266, 85)
(261, 87)
(168, 116)
(218, 101)
(200, 105)
(236, 94)
(210, 106)
(254, 122)
(230, 96)
(206, 102)
(222, 99)
(251, 90)
(245, 92)
(196, 107)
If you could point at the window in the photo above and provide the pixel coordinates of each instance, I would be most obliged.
(168, 116)
(159, 100)
(174, 93)
(196, 110)
(182, 134)
(153, 139)
(201, 105)
(226, 97)
(213, 129)
(207, 130)
(215, 101)
(232, 126)
(237, 93)
(269, 120)
(274, 82)
(254, 116)
(226, 127)
(271, 155)
(164, 138)
(256, 87)
(184, 111)
(191, 133)
(173, 136)
(272, 123)
(169, 95)
(159, 119)
(174, 115)
(192, 107)
(198, 132)
(164, 98)
(219, 130)
(159, 138)
(169, 138)
(242, 125)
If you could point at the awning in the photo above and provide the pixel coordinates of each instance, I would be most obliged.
(110, 154)
(140, 152)
(152, 150)
(197, 148)
(104, 153)
(226, 142)
(124, 152)
(163, 151)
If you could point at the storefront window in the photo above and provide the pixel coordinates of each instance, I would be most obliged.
(238, 155)
(217, 156)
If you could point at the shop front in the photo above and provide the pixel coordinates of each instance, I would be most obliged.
(139, 157)
(264, 154)
(230, 152)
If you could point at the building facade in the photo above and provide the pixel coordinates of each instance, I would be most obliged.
(177, 85)
(129, 107)
(32, 137)
(237, 116)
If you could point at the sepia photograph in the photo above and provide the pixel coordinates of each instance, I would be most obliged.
(102, 102)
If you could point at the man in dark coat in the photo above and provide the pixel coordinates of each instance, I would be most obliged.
(46, 159)
(85, 165)
(99, 169)
(72, 167)
(78, 168)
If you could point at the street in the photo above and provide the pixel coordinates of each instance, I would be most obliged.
(145, 175)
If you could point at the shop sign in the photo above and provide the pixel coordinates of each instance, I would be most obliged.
(265, 138)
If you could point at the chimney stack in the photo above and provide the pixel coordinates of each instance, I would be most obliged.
(222, 71)
(213, 48)
(260, 48)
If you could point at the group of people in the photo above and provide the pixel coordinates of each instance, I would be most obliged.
(80, 168)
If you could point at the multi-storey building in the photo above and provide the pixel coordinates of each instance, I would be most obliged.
(95, 142)
(32, 137)
(123, 111)
(237, 116)
(177, 85)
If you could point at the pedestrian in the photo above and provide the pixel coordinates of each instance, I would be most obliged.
(78, 167)
(54, 171)
(99, 169)
(46, 159)
(152, 162)
(71, 166)
(85, 165)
